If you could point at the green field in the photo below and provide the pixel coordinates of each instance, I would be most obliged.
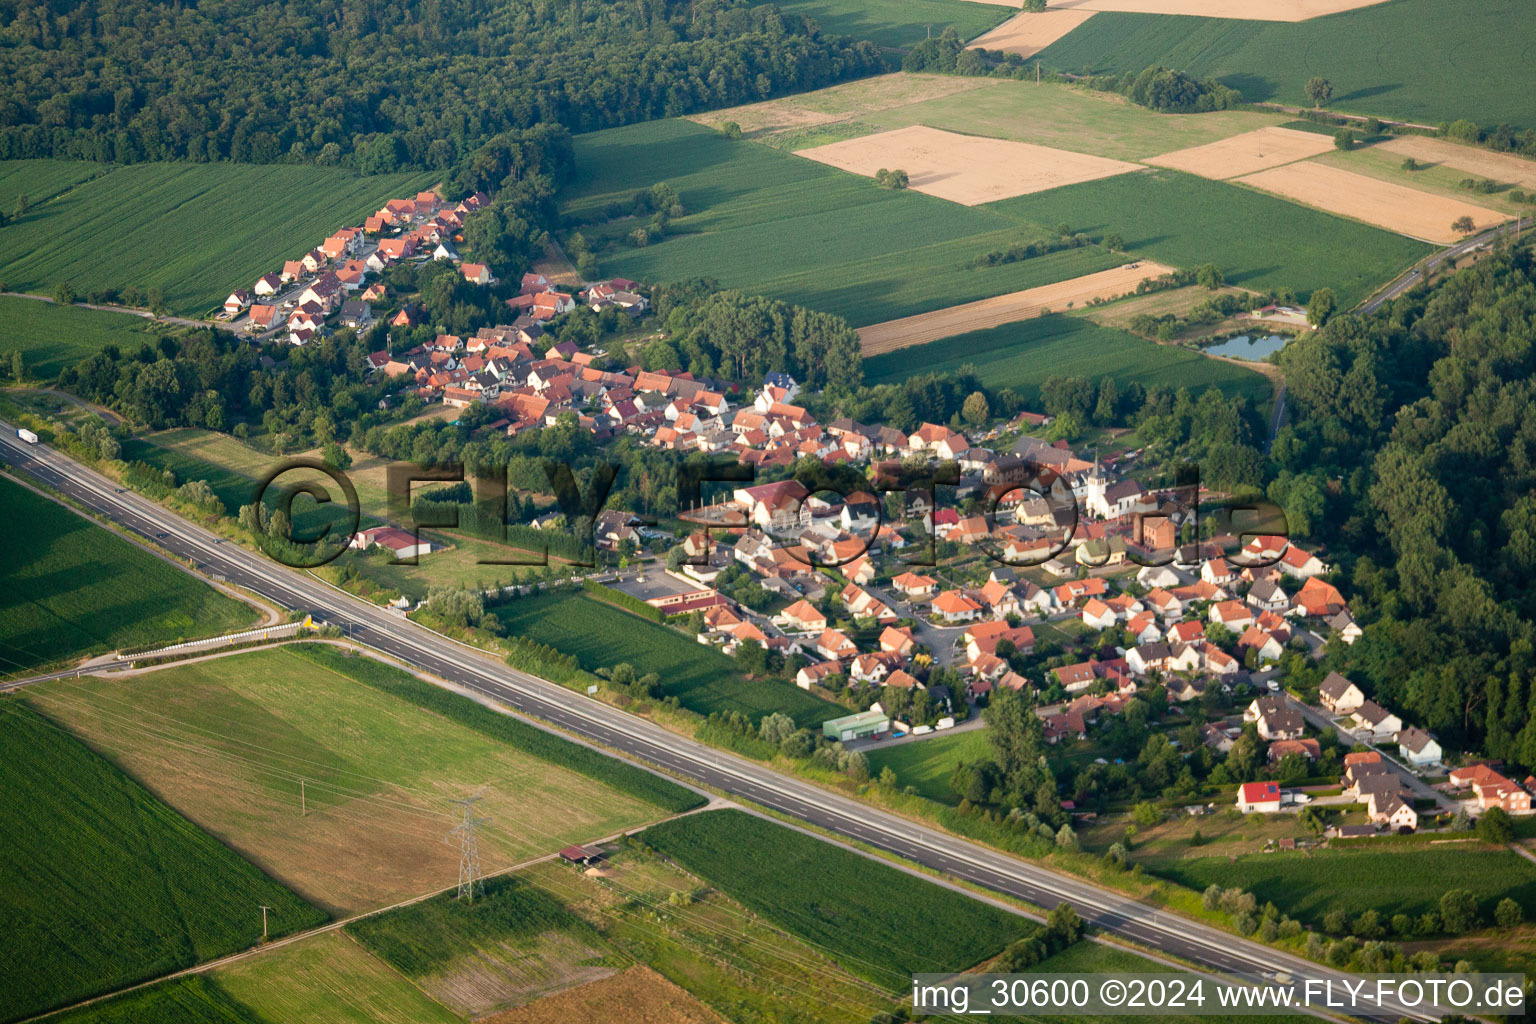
(41, 180)
(1258, 241)
(773, 223)
(53, 338)
(766, 221)
(328, 978)
(106, 885)
(927, 764)
(73, 588)
(878, 922)
(1390, 881)
(1420, 60)
(194, 999)
(702, 678)
(898, 23)
(228, 742)
(1025, 354)
(197, 231)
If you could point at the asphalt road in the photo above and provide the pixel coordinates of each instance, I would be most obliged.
(1420, 271)
(646, 742)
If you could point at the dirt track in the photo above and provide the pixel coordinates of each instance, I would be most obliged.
(1006, 309)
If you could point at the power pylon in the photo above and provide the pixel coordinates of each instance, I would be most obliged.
(470, 879)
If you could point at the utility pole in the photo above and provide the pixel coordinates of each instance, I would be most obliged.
(303, 804)
(469, 853)
(264, 910)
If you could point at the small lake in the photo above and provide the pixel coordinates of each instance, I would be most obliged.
(1247, 347)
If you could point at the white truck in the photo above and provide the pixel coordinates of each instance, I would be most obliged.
(26, 435)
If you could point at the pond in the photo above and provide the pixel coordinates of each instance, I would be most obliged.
(1246, 347)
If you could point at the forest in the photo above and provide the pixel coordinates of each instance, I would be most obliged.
(379, 86)
(1413, 454)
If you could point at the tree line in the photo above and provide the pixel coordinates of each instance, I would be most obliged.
(382, 87)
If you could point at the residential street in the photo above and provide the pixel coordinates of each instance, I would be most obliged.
(1318, 719)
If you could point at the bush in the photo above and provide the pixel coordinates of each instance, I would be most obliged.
(1508, 913)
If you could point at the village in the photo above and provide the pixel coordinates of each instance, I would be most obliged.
(1038, 541)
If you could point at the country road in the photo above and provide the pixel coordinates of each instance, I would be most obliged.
(1421, 270)
(127, 310)
(646, 743)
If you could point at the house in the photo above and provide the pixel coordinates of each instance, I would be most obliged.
(1266, 595)
(1258, 797)
(1234, 615)
(1317, 599)
(1392, 810)
(1339, 695)
(1418, 747)
(1308, 748)
(1375, 721)
(262, 318)
(898, 640)
(1276, 719)
(356, 313)
(1345, 626)
(1098, 615)
(476, 273)
(804, 617)
(238, 300)
(401, 543)
(1145, 658)
(816, 674)
(835, 645)
(1216, 738)
(268, 284)
(1301, 564)
(953, 606)
(1492, 789)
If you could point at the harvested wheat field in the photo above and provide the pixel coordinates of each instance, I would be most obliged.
(1246, 10)
(1501, 167)
(1006, 309)
(1247, 153)
(1027, 34)
(646, 998)
(1382, 203)
(965, 169)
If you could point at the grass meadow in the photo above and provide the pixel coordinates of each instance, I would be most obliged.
(1067, 117)
(228, 742)
(53, 338)
(766, 221)
(769, 222)
(899, 23)
(1025, 354)
(1407, 880)
(702, 678)
(878, 922)
(105, 884)
(197, 231)
(74, 588)
(927, 764)
(1419, 60)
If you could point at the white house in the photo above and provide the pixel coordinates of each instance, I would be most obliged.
(1258, 797)
(1418, 747)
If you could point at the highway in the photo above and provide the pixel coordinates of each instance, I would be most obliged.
(645, 742)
